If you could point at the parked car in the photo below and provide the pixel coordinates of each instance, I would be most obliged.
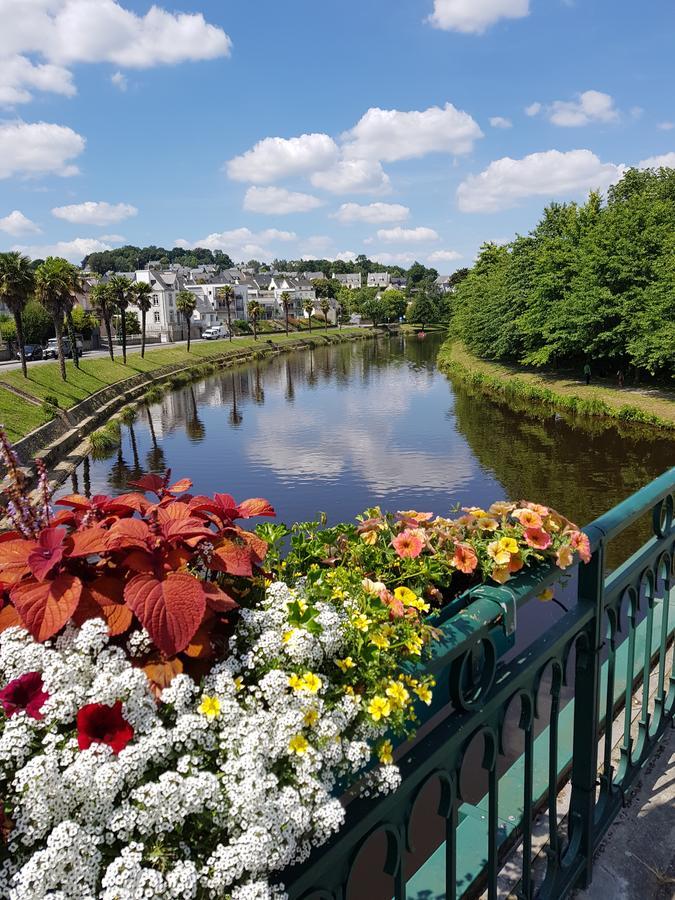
(51, 350)
(32, 351)
(215, 332)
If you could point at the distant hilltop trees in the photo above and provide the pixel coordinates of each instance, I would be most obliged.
(130, 258)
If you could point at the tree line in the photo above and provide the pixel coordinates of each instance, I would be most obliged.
(591, 283)
(130, 258)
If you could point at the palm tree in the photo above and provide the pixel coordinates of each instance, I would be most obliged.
(75, 287)
(308, 307)
(227, 295)
(53, 280)
(186, 303)
(325, 306)
(121, 290)
(141, 299)
(254, 310)
(103, 302)
(286, 303)
(17, 285)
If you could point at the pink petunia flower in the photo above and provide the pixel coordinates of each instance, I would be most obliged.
(408, 544)
(537, 538)
(579, 542)
(465, 558)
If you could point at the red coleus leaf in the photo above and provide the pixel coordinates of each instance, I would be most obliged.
(48, 553)
(232, 558)
(104, 599)
(200, 646)
(223, 506)
(176, 523)
(153, 483)
(255, 507)
(170, 609)
(8, 618)
(88, 542)
(180, 486)
(14, 559)
(76, 501)
(257, 545)
(133, 501)
(217, 599)
(46, 606)
(128, 533)
(9, 536)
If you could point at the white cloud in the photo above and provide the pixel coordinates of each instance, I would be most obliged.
(501, 122)
(551, 174)
(95, 212)
(119, 79)
(16, 223)
(475, 16)
(353, 176)
(242, 243)
(38, 149)
(590, 106)
(274, 158)
(372, 213)
(112, 238)
(278, 201)
(389, 134)
(443, 256)
(400, 235)
(316, 247)
(664, 161)
(345, 256)
(74, 250)
(533, 109)
(393, 259)
(666, 126)
(18, 76)
(66, 32)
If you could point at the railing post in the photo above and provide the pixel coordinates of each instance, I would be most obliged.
(586, 712)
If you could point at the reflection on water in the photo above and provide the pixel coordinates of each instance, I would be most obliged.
(341, 428)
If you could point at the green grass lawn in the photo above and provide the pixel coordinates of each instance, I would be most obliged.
(20, 417)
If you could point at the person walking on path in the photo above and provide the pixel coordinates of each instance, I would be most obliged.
(587, 373)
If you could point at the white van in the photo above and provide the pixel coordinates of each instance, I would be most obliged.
(215, 332)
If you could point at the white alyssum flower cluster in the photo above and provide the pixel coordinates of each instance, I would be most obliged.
(222, 785)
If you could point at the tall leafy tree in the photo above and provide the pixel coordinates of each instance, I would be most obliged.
(308, 307)
(103, 302)
(53, 280)
(121, 290)
(226, 294)
(324, 305)
(186, 303)
(141, 299)
(286, 303)
(17, 286)
(254, 312)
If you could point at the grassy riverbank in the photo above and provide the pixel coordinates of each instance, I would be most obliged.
(22, 412)
(553, 393)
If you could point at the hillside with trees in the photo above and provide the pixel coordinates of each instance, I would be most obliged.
(130, 258)
(591, 283)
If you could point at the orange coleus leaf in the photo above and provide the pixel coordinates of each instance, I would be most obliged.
(128, 533)
(232, 558)
(257, 545)
(255, 507)
(153, 483)
(160, 673)
(200, 646)
(88, 542)
(8, 618)
(170, 609)
(177, 523)
(217, 599)
(14, 556)
(180, 486)
(76, 501)
(104, 599)
(46, 606)
(134, 501)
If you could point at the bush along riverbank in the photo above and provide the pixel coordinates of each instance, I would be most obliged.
(553, 394)
(46, 416)
(181, 703)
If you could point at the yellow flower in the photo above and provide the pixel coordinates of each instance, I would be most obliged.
(298, 744)
(210, 707)
(398, 695)
(424, 693)
(546, 595)
(338, 594)
(311, 683)
(295, 682)
(361, 622)
(373, 587)
(379, 708)
(501, 556)
(508, 543)
(345, 664)
(418, 603)
(238, 683)
(369, 537)
(385, 753)
(414, 645)
(500, 574)
(380, 641)
(350, 690)
(405, 595)
(311, 717)
(287, 635)
(487, 523)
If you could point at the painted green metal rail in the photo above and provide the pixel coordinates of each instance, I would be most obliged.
(569, 689)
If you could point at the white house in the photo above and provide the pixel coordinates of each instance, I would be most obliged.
(379, 279)
(351, 280)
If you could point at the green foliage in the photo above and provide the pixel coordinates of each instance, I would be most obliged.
(424, 309)
(84, 322)
(106, 439)
(130, 258)
(37, 323)
(594, 283)
(7, 329)
(132, 322)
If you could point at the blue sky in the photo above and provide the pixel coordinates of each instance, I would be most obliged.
(406, 129)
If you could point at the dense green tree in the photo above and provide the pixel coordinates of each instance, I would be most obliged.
(424, 310)
(53, 281)
(395, 304)
(37, 323)
(17, 285)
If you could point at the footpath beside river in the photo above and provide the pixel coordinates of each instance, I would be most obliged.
(560, 392)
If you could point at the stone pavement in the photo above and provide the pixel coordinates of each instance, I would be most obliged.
(636, 860)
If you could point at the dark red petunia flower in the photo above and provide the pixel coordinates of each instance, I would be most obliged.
(26, 694)
(101, 724)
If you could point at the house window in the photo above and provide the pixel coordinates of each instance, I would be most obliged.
(156, 318)
(155, 300)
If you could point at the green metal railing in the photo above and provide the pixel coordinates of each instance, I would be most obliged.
(574, 691)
